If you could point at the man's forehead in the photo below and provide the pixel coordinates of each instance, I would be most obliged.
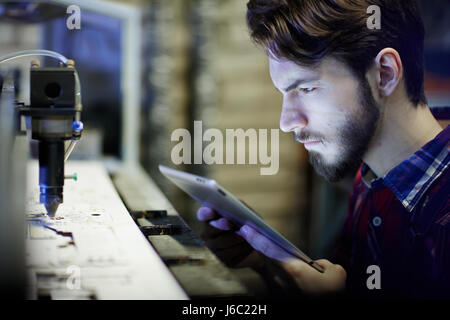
(284, 71)
(287, 67)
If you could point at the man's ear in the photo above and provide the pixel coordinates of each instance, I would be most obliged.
(389, 71)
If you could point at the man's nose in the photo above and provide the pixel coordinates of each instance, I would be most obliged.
(292, 117)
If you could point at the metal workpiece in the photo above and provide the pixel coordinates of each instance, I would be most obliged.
(92, 249)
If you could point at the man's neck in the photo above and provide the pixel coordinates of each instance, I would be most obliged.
(403, 129)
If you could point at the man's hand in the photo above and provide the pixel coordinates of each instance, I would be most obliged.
(307, 278)
(230, 248)
(220, 237)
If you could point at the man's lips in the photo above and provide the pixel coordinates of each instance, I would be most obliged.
(308, 140)
(310, 143)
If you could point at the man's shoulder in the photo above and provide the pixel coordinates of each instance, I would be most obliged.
(436, 201)
(440, 189)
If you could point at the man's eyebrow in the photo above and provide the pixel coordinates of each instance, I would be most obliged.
(298, 82)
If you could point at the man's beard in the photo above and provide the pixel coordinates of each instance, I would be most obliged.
(353, 139)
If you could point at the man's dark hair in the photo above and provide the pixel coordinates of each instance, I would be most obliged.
(306, 31)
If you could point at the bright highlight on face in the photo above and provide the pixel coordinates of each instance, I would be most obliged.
(329, 110)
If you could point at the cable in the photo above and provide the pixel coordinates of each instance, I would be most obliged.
(53, 54)
(37, 52)
(64, 60)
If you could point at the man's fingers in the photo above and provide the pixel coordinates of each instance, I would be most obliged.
(327, 265)
(324, 263)
(263, 244)
(205, 214)
(222, 224)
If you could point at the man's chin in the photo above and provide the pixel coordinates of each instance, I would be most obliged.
(333, 172)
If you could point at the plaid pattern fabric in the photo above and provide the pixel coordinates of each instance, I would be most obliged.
(401, 223)
(410, 179)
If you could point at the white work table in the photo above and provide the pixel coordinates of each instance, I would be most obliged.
(92, 248)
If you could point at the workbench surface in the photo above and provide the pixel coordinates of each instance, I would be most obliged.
(92, 248)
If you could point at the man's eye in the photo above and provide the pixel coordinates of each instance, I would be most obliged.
(307, 90)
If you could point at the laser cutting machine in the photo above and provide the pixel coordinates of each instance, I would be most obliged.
(94, 229)
(55, 111)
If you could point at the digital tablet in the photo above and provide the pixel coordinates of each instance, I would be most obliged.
(210, 194)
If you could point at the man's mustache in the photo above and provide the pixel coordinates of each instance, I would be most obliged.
(305, 136)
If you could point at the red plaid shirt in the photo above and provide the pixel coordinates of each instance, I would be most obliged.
(401, 223)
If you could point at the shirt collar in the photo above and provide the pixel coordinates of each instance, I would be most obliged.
(411, 178)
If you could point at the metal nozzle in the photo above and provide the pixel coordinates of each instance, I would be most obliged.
(51, 208)
(51, 174)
